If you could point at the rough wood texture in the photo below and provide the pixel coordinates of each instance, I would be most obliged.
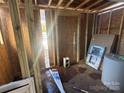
(67, 34)
(6, 70)
(14, 11)
(82, 35)
(9, 41)
(115, 27)
(35, 48)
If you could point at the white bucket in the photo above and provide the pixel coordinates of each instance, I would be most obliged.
(66, 62)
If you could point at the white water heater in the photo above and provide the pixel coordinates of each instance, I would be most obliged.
(113, 72)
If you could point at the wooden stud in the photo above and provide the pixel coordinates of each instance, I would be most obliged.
(23, 60)
(40, 6)
(83, 3)
(78, 39)
(59, 3)
(57, 39)
(86, 34)
(96, 24)
(120, 31)
(99, 25)
(36, 64)
(69, 3)
(113, 6)
(93, 27)
(97, 2)
(49, 3)
(109, 24)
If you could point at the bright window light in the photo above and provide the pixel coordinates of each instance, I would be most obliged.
(44, 38)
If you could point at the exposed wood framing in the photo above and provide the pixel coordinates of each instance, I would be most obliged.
(97, 2)
(69, 3)
(49, 3)
(99, 25)
(112, 7)
(83, 3)
(93, 27)
(86, 34)
(78, 38)
(102, 6)
(36, 64)
(120, 31)
(23, 60)
(109, 24)
(39, 6)
(59, 3)
(57, 39)
(96, 24)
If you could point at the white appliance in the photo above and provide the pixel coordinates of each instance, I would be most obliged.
(113, 72)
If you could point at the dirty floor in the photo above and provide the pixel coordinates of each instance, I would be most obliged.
(78, 75)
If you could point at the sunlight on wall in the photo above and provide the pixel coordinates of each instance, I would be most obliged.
(1, 38)
(44, 38)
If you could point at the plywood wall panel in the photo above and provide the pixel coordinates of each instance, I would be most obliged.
(115, 21)
(82, 35)
(67, 34)
(121, 47)
(105, 21)
(115, 27)
(13, 68)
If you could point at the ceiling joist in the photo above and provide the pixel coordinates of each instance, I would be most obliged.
(83, 3)
(84, 6)
(59, 3)
(97, 2)
(69, 3)
(103, 5)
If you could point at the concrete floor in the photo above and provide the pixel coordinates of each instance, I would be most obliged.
(80, 76)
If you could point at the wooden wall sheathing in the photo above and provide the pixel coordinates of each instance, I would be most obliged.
(10, 45)
(82, 35)
(67, 37)
(114, 28)
(115, 21)
(105, 20)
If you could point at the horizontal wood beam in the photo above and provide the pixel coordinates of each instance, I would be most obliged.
(83, 3)
(40, 6)
(97, 2)
(69, 3)
(113, 6)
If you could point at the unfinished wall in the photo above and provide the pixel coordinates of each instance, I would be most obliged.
(112, 22)
(67, 33)
(82, 35)
(8, 51)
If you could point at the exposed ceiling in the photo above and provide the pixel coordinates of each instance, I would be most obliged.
(78, 5)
